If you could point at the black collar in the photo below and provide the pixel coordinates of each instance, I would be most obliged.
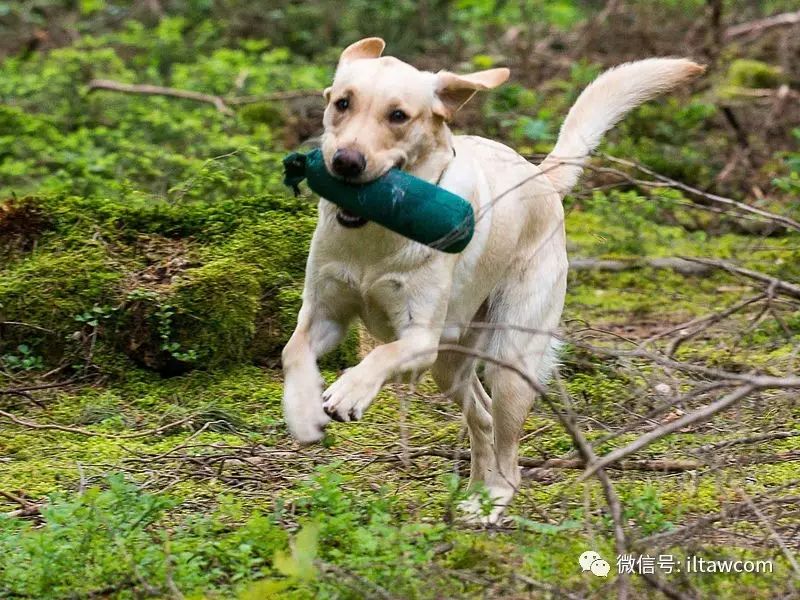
(447, 166)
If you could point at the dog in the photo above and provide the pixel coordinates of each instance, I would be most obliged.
(500, 299)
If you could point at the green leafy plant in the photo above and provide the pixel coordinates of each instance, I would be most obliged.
(646, 509)
(24, 360)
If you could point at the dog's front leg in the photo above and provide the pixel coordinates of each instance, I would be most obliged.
(350, 395)
(415, 306)
(317, 332)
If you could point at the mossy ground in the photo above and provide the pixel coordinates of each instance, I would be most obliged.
(233, 459)
(152, 262)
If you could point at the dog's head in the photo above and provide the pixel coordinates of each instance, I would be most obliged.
(383, 113)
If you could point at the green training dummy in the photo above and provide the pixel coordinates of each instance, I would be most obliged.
(401, 202)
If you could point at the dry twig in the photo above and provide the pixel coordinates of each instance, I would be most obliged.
(67, 429)
(221, 103)
(759, 26)
(790, 289)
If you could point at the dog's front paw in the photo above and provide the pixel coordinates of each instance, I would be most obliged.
(302, 409)
(350, 395)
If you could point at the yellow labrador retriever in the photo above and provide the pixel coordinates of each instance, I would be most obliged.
(383, 113)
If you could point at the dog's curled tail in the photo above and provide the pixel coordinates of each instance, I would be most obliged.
(602, 104)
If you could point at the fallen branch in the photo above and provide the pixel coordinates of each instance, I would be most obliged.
(679, 265)
(782, 92)
(28, 509)
(759, 26)
(727, 511)
(685, 334)
(697, 416)
(221, 103)
(660, 465)
(790, 289)
(552, 590)
(157, 90)
(753, 439)
(67, 429)
(772, 532)
(728, 202)
(569, 420)
(701, 323)
(664, 587)
(728, 377)
(271, 97)
(28, 325)
(36, 388)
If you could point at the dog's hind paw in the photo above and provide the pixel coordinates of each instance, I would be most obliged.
(486, 509)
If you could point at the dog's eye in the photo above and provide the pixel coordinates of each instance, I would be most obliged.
(342, 104)
(398, 116)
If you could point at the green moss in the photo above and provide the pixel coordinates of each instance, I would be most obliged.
(276, 246)
(750, 73)
(263, 112)
(234, 297)
(50, 289)
(215, 311)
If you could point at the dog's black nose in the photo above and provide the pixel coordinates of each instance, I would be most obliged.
(348, 163)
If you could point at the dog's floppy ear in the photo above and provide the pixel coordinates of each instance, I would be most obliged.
(367, 48)
(453, 91)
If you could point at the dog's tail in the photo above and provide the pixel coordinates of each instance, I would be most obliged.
(602, 104)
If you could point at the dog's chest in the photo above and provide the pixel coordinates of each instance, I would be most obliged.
(380, 299)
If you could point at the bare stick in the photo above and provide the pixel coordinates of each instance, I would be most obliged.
(785, 221)
(584, 448)
(157, 90)
(546, 587)
(697, 416)
(701, 323)
(34, 388)
(28, 508)
(772, 533)
(658, 465)
(666, 589)
(614, 505)
(782, 92)
(753, 439)
(271, 97)
(679, 265)
(753, 28)
(67, 429)
(221, 103)
(790, 289)
(28, 325)
(708, 520)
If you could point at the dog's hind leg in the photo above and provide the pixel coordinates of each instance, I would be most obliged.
(525, 314)
(454, 374)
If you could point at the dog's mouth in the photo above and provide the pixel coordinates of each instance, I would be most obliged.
(350, 220)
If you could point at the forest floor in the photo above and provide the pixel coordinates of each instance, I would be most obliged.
(386, 489)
